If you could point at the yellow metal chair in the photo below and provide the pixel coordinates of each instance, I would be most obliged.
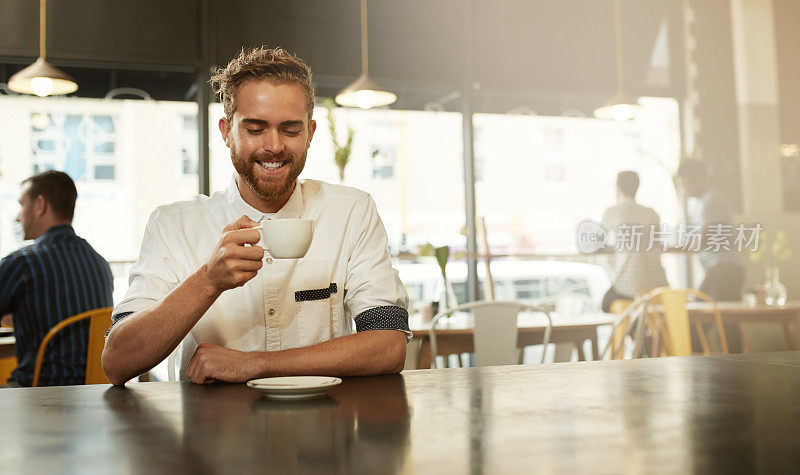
(668, 321)
(7, 366)
(619, 307)
(99, 324)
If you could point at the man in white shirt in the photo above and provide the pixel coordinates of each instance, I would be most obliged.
(638, 269)
(203, 280)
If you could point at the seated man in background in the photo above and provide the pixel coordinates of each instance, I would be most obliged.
(635, 270)
(202, 278)
(56, 277)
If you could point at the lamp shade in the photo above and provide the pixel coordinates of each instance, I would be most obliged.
(43, 79)
(365, 93)
(621, 108)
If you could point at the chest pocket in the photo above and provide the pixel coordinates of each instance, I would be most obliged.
(317, 300)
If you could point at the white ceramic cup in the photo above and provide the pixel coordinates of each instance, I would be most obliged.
(287, 238)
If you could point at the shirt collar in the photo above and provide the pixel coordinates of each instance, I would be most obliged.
(290, 210)
(55, 230)
(293, 207)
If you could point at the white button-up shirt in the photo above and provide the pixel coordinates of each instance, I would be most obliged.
(347, 256)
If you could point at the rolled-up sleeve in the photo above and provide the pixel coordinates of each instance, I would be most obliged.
(374, 295)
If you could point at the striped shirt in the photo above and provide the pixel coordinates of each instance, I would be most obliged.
(57, 276)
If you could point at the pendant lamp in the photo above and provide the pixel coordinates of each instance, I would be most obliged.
(622, 107)
(41, 78)
(364, 92)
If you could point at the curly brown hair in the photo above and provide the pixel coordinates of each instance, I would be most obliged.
(262, 63)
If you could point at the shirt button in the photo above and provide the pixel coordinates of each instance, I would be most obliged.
(269, 260)
(272, 311)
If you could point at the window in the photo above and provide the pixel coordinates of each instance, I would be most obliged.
(187, 144)
(82, 145)
(548, 174)
(120, 154)
(383, 141)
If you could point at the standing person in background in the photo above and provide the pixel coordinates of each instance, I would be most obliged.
(635, 270)
(724, 269)
(56, 277)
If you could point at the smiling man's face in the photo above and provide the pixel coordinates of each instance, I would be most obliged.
(269, 138)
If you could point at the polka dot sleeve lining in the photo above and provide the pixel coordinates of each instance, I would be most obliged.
(389, 317)
(115, 319)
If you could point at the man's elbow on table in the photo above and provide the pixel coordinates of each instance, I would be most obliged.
(110, 361)
(393, 348)
(111, 373)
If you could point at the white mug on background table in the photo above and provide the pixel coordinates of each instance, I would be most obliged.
(286, 238)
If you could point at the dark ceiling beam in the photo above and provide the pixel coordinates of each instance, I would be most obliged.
(106, 65)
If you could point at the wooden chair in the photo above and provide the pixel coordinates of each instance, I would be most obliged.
(495, 331)
(99, 324)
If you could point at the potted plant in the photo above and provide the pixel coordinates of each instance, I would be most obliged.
(341, 151)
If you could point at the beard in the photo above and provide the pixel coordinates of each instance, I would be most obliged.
(268, 188)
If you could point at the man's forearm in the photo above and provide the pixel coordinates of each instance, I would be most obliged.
(142, 340)
(363, 354)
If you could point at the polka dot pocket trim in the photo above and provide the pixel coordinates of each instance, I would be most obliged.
(315, 294)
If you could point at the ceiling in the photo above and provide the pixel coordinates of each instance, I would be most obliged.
(539, 55)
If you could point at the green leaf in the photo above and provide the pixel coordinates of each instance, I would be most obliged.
(442, 254)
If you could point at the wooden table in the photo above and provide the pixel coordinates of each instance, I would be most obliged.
(454, 336)
(739, 313)
(720, 414)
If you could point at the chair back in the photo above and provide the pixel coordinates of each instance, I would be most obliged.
(676, 336)
(495, 336)
(619, 307)
(7, 366)
(495, 331)
(668, 320)
(98, 325)
(629, 324)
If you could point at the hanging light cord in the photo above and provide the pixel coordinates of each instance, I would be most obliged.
(42, 27)
(618, 44)
(364, 45)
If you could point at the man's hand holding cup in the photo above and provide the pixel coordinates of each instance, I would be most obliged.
(236, 258)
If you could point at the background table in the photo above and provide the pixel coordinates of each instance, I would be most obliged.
(454, 335)
(739, 313)
(723, 414)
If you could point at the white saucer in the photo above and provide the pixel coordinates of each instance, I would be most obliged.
(294, 387)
